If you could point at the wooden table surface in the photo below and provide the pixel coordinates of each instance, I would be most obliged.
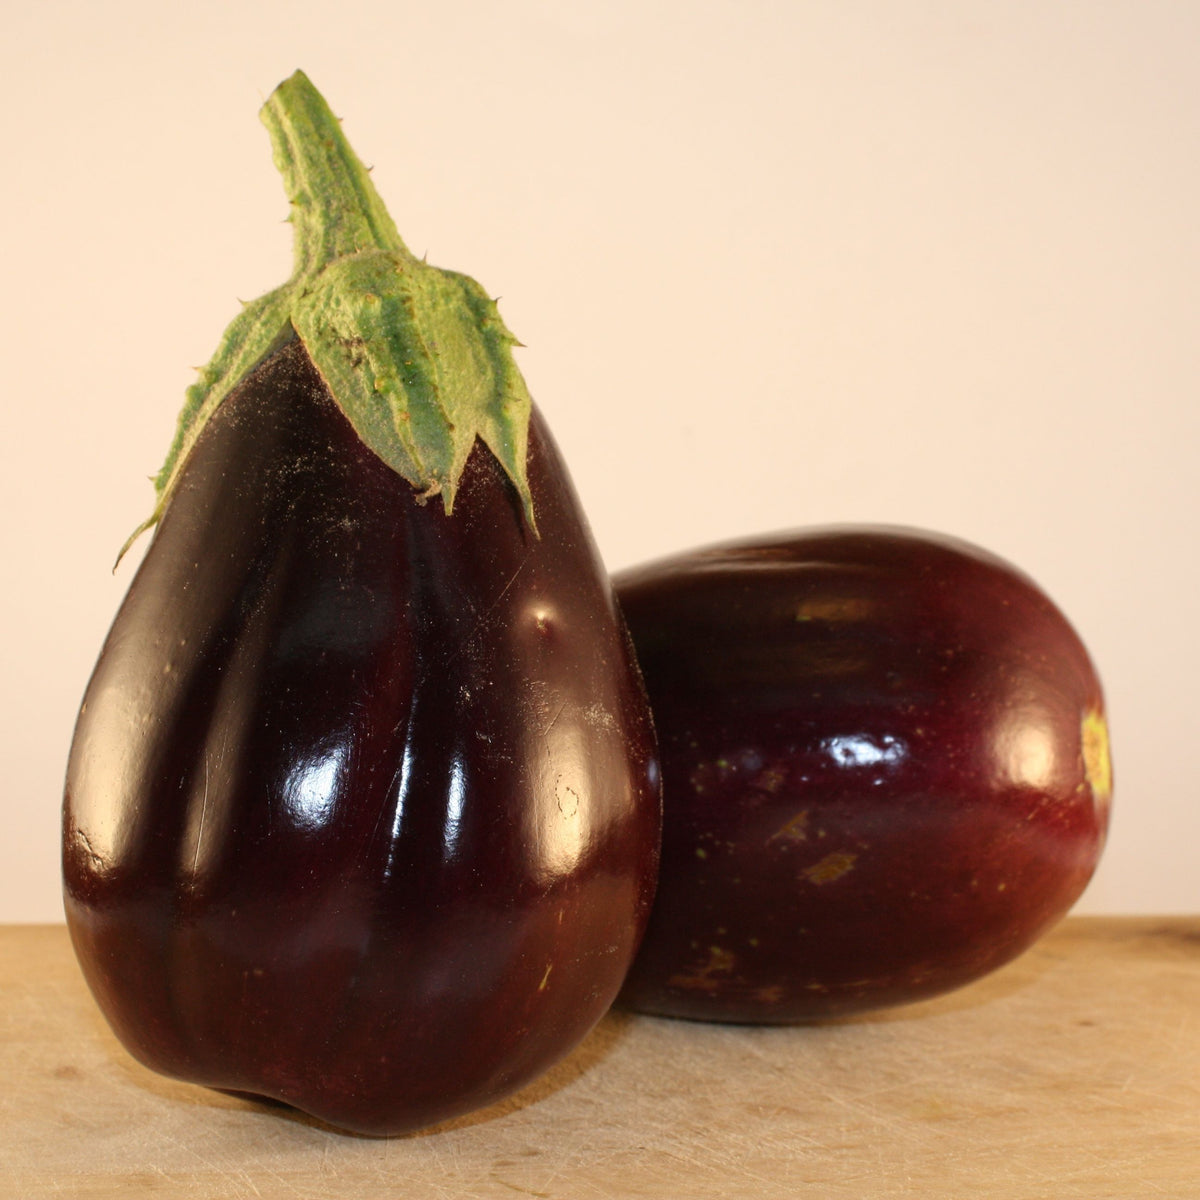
(1074, 1072)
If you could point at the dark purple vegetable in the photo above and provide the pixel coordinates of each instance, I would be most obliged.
(362, 808)
(885, 771)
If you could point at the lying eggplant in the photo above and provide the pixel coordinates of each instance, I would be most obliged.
(885, 771)
(362, 808)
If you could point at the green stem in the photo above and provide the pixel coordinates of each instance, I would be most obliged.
(417, 358)
(335, 207)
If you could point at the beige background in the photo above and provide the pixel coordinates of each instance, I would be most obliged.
(775, 263)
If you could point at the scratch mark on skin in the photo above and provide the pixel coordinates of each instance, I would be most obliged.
(203, 817)
(480, 622)
(487, 612)
(554, 720)
(393, 797)
(97, 860)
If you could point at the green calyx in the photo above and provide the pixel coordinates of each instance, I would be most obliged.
(417, 358)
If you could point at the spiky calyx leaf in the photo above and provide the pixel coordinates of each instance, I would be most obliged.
(417, 358)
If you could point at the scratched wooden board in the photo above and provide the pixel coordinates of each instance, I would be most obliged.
(1074, 1072)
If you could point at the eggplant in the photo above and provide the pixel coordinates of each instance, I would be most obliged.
(886, 771)
(362, 808)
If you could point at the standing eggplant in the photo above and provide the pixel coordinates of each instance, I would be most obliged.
(362, 807)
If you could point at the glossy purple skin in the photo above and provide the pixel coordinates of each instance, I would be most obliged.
(362, 809)
(885, 771)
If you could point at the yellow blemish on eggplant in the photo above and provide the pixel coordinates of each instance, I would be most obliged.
(834, 608)
(793, 830)
(1097, 760)
(720, 962)
(770, 779)
(831, 867)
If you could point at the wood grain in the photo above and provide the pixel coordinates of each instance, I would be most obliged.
(1074, 1072)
